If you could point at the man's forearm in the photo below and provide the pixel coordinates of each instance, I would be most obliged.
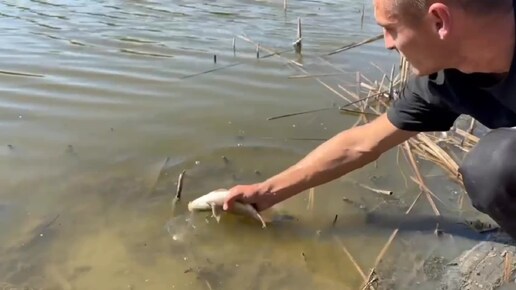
(345, 152)
(340, 155)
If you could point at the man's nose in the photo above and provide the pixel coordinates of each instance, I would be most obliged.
(389, 42)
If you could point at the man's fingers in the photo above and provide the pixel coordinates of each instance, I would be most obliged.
(228, 203)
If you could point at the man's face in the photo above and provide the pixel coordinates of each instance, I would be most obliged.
(417, 41)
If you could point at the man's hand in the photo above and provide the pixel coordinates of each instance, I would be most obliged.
(255, 194)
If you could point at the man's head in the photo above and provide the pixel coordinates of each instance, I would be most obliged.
(432, 34)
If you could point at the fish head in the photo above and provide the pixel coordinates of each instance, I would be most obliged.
(207, 201)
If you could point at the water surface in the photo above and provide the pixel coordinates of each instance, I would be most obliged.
(97, 95)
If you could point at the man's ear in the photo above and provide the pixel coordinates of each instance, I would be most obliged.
(441, 18)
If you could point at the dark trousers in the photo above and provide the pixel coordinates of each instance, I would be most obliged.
(489, 175)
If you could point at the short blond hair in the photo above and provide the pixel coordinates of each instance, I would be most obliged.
(418, 7)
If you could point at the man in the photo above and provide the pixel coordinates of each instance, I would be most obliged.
(462, 55)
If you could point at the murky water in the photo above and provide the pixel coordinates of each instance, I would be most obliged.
(97, 95)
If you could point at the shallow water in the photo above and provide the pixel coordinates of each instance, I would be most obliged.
(97, 95)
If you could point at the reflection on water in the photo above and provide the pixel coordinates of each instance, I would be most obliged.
(96, 95)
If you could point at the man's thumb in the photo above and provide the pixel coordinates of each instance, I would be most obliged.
(228, 203)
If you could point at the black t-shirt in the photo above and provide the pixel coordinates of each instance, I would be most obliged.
(433, 103)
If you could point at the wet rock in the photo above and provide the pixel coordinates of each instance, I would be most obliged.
(481, 267)
(434, 267)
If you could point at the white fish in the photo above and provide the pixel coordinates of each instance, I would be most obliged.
(214, 200)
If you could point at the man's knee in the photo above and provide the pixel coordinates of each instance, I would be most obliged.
(489, 170)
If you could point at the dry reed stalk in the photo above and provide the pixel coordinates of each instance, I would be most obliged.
(362, 16)
(378, 68)
(365, 78)
(379, 191)
(357, 84)
(179, 188)
(461, 200)
(420, 180)
(356, 44)
(429, 150)
(299, 66)
(269, 50)
(353, 95)
(508, 267)
(470, 130)
(331, 64)
(398, 163)
(228, 66)
(297, 113)
(371, 278)
(351, 258)
(427, 190)
(404, 72)
(317, 75)
(393, 235)
(472, 138)
(311, 199)
(298, 43)
(363, 108)
(440, 153)
(391, 83)
(377, 91)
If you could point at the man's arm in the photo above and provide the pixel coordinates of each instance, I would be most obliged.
(345, 152)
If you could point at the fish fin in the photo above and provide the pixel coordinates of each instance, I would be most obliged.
(215, 212)
(259, 216)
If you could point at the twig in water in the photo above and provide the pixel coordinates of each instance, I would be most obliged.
(341, 108)
(298, 113)
(230, 65)
(297, 139)
(362, 17)
(179, 188)
(354, 44)
(394, 233)
(317, 75)
(269, 50)
(297, 44)
(380, 191)
(208, 285)
(353, 261)
(335, 220)
(211, 70)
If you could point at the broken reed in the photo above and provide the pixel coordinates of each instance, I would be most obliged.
(434, 147)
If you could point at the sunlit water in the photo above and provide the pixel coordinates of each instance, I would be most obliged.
(97, 95)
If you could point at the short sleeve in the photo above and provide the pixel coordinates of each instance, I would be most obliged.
(421, 107)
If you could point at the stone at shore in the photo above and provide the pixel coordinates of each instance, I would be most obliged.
(482, 267)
